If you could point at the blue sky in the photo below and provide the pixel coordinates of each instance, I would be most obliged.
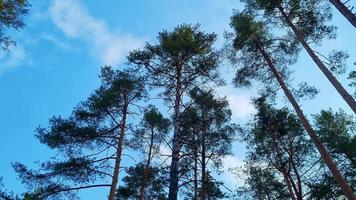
(59, 53)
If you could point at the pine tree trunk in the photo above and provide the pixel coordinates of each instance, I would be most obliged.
(118, 153)
(195, 174)
(174, 168)
(147, 167)
(299, 191)
(286, 176)
(289, 186)
(344, 11)
(320, 147)
(342, 91)
(203, 166)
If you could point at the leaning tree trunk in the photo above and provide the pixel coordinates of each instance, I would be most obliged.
(345, 11)
(147, 167)
(174, 168)
(118, 153)
(342, 91)
(320, 147)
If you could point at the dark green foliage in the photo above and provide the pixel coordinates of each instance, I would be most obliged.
(182, 59)
(208, 136)
(306, 91)
(155, 185)
(185, 53)
(86, 141)
(151, 133)
(336, 130)
(311, 18)
(264, 184)
(337, 61)
(250, 37)
(277, 146)
(4, 194)
(213, 190)
(210, 116)
(352, 77)
(11, 16)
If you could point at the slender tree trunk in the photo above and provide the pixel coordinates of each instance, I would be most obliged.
(320, 147)
(342, 91)
(119, 153)
(295, 188)
(147, 167)
(286, 175)
(203, 166)
(195, 174)
(344, 11)
(296, 173)
(289, 186)
(174, 168)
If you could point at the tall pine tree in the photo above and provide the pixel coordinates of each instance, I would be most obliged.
(89, 142)
(182, 58)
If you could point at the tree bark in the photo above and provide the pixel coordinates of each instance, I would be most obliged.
(119, 153)
(342, 91)
(289, 186)
(203, 168)
(174, 168)
(286, 175)
(320, 147)
(351, 17)
(147, 167)
(195, 173)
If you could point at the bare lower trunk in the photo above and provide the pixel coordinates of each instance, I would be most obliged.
(347, 13)
(174, 171)
(174, 168)
(118, 155)
(195, 175)
(203, 168)
(320, 147)
(299, 183)
(289, 186)
(342, 91)
(283, 170)
(144, 180)
(147, 167)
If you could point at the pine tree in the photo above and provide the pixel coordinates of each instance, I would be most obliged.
(155, 184)
(277, 143)
(12, 13)
(336, 130)
(254, 44)
(148, 138)
(214, 134)
(345, 11)
(182, 59)
(307, 20)
(87, 141)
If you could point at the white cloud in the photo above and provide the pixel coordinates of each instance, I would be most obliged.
(16, 56)
(75, 21)
(164, 155)
(240, 103)
(228, 176)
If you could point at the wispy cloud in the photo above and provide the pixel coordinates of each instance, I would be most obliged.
(231, 162)
(75, 21)
(16, 56)
(240, 103)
